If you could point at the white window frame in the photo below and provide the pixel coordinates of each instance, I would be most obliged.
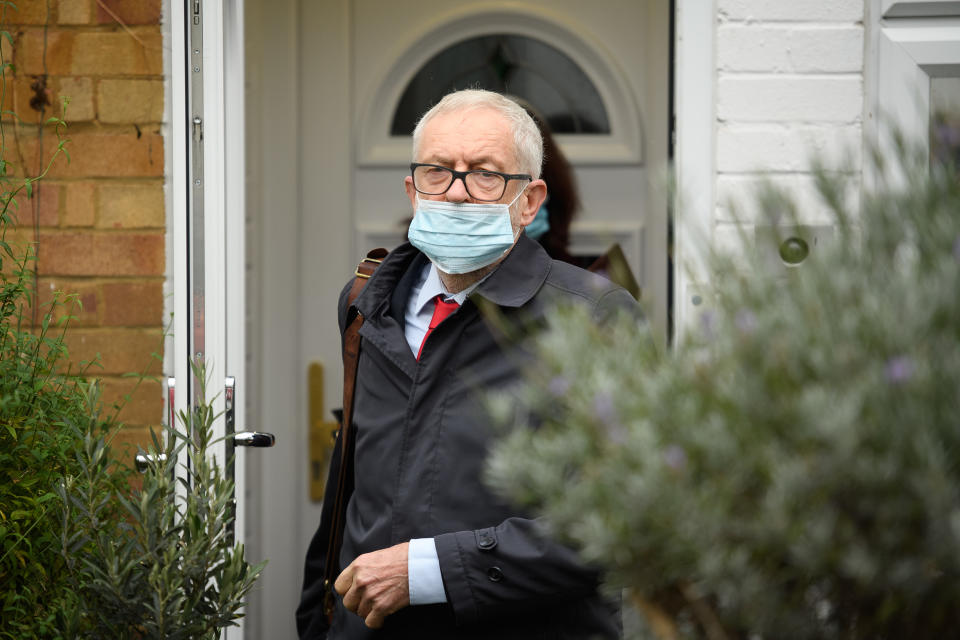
(908, 48)
(624, 145)
(919, 8)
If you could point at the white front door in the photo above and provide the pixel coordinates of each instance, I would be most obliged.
(325, 184)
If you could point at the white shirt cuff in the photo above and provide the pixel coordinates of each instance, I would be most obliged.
(423, 572)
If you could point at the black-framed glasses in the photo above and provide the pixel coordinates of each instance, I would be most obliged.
(481, 184)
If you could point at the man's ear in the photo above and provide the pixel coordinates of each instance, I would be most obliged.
(411, 192)
(535, 194)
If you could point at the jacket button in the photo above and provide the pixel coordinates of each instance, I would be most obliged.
(494, 574)
(486, 541)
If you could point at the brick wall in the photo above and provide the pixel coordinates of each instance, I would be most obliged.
(789, 83)
(99, 219)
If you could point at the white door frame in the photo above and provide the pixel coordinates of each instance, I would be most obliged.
(694, 157)
(222, 322)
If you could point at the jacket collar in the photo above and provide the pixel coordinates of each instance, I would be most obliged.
(512, 284)
(518, 278)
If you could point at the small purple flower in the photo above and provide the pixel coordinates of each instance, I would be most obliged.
(708, 322)
(675, 457)
(606, 412)
(604, 408)
(898, 370)
(617, 434)
(746, 321)
(558, 386)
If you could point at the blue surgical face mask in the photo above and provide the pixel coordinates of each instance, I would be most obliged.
(540, 224)
(460, 237)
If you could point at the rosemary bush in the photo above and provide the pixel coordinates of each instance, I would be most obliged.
(790, 470)
(170, 568)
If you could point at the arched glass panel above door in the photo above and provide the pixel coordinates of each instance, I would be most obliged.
(517, 65)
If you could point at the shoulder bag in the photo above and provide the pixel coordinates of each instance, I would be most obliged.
(351, 354)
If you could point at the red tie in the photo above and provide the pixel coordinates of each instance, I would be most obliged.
(440, 313)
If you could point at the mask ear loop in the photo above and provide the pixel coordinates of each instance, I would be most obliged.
(516, 235)
(517, 197)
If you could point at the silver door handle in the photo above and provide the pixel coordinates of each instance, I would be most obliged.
(144, 460)
(254, 439)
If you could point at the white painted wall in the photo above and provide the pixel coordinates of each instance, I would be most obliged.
(787, 84)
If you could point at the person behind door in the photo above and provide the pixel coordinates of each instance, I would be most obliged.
(551, 225)
(428, 551)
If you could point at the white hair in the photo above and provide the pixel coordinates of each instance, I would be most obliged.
(527, 141)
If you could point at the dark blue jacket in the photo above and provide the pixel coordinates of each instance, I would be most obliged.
(422, 437)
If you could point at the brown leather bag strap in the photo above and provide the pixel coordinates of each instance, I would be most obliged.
(351, 355)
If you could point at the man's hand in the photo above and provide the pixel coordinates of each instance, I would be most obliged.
(376, 584)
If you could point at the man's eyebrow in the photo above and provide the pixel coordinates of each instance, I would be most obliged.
(477, 165)
(483, 162)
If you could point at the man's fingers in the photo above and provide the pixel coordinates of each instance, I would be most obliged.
(364, 607)
(375, 620)
(375, 585)
(352, 599)
(344, 580)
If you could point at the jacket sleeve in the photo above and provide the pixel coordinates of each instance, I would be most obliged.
(509, 568)
(311, 621)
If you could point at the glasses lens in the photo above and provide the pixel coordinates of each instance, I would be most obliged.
(431, 180)
(484, 185)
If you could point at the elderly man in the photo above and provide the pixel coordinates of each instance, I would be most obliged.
(428, 551)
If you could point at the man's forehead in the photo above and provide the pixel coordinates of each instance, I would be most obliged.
(470, 113)
(483, 134)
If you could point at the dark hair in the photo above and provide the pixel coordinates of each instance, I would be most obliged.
(563, 201)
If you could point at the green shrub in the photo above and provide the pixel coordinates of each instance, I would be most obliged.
(39, 398)
(791, 469)
(82, 553)
(38, 403)
(170, 568)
